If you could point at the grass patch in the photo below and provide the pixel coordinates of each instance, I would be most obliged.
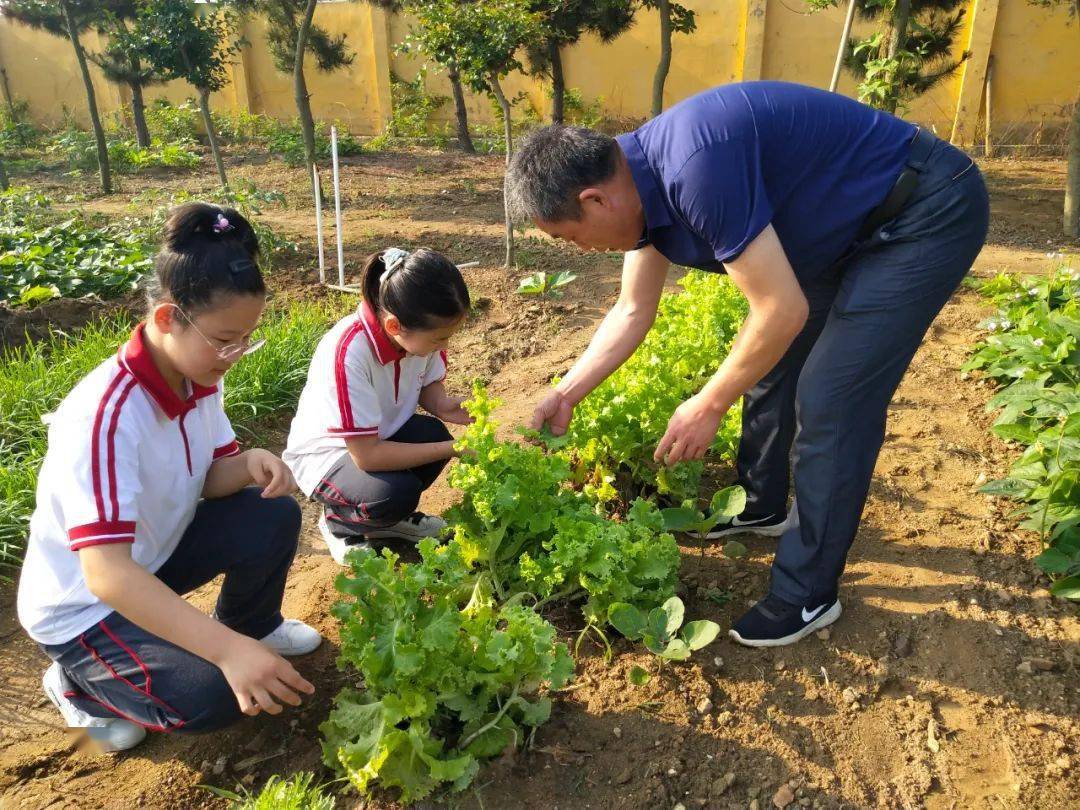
(36, 377)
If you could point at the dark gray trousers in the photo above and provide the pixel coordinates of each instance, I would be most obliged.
(827, 398)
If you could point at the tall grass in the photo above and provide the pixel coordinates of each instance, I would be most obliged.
(36, 377)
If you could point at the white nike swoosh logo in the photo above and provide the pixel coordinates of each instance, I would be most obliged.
(737, 522)
(809, 617)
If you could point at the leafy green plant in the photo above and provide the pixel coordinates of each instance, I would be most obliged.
(297, 792)
(659, 629)
(43, 250)
(616, 428)
(536, 537)
(17, 131)
(286, 140)
(174, 122)
(726, 503)
(450, 676)
(414, 108)
(544, 283)
(1032, 348)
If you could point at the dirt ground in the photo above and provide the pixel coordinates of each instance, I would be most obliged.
(949, 682)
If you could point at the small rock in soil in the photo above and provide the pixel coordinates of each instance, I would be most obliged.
(783, 797)
(721, 785)
(624, 776)
(902, 645)
(1042, 664)
(718, 662)
(1025, 668)
(616, 732)
(705, 706)
(849, 695)
(754, 805)
(779, 665)
(219, 765)
(824, 634)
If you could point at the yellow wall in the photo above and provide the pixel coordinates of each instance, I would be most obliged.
(1036, 63)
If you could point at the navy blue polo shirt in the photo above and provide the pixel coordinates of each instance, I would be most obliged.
(714, 170)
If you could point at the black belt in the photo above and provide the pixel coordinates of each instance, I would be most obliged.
(921, 145)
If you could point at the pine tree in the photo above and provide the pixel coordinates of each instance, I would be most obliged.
(565, 22)
(291, 31)
(70, 18)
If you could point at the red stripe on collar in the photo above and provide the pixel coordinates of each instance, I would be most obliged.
(386, 351)
(136, 358)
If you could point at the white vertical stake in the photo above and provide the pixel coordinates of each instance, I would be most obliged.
(318, 221)
(337, 208)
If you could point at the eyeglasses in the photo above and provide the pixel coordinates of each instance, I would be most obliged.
(230, 351)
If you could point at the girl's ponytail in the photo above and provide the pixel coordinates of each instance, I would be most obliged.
(423, 289)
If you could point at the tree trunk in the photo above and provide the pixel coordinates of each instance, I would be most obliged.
(460, 113)
(1071, 217)
(508, 133)
(898, 27)
(211, 135)
(91, 99)
(300, 91)
(138, 114)
(662, 68)
(558, 82)
(5, 184)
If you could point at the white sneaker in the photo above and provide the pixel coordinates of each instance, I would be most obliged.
(292, 637)
(109, 735)
(339, 546)
(415, 528)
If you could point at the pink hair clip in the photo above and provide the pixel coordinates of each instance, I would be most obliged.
(221, 224)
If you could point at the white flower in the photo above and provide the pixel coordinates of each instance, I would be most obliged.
(1033, 291)
(1038, 341)
(1005, 324)
(992, 326)
(1017, 296)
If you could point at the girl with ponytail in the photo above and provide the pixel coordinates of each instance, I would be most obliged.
(357, 444)
(145, 495)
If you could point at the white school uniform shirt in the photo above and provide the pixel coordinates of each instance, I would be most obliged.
(360, 383)
(126, 462)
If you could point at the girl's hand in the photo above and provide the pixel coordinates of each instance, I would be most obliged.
(451, 410)
(690, 432)
(259, 677)
(270, 473)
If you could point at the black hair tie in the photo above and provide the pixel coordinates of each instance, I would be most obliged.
(238, 266)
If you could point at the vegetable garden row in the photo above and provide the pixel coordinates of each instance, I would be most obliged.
(1033, 352)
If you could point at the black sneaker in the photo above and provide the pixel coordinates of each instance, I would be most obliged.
(772, 622)
(766, 525)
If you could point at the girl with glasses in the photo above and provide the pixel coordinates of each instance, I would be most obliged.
(145, 495)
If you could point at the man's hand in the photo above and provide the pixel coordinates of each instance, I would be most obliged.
(260, 678)
(555, 411)
(690, 432)
(269, 472)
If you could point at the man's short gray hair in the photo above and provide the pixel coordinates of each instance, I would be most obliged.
(550, 168)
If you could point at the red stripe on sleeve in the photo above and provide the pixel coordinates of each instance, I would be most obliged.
(95, 440)
(340, 378)
(102, 528)
(230, 449)
(111, 449)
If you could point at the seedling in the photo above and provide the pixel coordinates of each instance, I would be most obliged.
(728, 502)
(659, 630)
(549, 284)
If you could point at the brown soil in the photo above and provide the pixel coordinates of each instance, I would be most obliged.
(913, 699)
